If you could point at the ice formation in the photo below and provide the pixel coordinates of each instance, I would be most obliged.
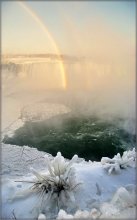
(119, 162)
(123, 198)
(55, 186)
(41, 217)
(93, 214)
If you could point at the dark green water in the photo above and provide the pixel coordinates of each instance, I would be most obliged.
(89, 137)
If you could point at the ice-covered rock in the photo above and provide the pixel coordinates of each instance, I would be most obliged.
(124, 198)
(63, 215)
(93, 214)
(41, 217)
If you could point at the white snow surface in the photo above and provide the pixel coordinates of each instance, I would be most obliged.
(100, 195)
(16, 160)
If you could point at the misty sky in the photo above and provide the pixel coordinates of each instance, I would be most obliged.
(95, 28)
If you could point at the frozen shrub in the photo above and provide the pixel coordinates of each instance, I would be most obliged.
(117, 163)
(57, 186)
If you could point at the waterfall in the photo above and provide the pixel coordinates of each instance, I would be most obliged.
(39, 74)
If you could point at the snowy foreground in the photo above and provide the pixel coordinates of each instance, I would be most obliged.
(39, 186)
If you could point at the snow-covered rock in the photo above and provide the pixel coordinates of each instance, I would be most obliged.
(41, 217)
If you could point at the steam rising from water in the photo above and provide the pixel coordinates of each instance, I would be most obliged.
(91, 87)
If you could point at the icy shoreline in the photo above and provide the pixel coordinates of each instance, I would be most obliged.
(102, 194)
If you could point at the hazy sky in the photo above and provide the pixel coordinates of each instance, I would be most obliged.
(85, 27)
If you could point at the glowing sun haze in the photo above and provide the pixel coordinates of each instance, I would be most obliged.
(77, 28)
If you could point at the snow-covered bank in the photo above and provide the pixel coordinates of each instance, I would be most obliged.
(20, 113)
(96, 193)
(16, 160)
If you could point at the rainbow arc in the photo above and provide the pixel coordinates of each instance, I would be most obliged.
(49, 35)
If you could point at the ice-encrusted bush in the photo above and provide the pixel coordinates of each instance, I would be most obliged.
(55, 187)
(60, 180)
(119, 162)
